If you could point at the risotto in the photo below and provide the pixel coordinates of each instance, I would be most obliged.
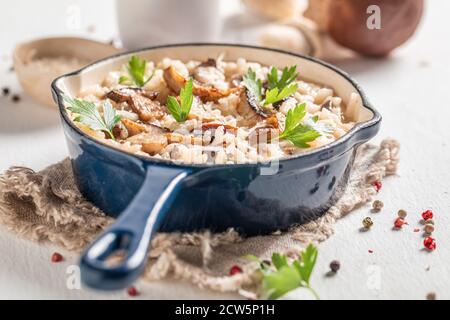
(209, 112)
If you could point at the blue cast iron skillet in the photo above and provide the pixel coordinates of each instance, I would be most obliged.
(150, 195)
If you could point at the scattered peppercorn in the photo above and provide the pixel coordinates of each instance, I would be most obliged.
(429, 228)
(431, 296)
(235, 270)
(335, 266)
(377, 185)
(15, 98)
(429, 243)
(402, 213)
(5, 91)
(377, 205)
(57, 257)
(399, 222)
(367, 222)
(132, 291)
(427, 215)
(370, 251)
(416, 230)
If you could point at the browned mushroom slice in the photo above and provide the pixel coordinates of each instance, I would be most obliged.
(147, 109)
(272, 121)
(133, 127)
(176, 82)
(209, 63)
(151, 143)
(227, 127)
(248, 112)
(140, 102)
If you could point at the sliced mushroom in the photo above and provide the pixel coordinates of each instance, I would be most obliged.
(133, 127)
(140, 102)
(272, 121)
(248, 109)
(227, 127)
(176, 82)
(209, 63)
(326, 105)
(151, 143)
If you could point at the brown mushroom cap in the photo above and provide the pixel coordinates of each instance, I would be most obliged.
(347, 24)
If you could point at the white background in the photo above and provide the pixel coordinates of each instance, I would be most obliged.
(410, 89)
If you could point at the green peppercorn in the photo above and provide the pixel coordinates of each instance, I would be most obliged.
(377, 205)
(367, 223)
(429, 228)
(402, 213)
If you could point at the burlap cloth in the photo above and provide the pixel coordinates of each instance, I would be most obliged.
(46, 206)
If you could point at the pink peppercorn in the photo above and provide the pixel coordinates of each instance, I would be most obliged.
(132, 291)
(57, 257)
(377, 185)
(235, 270)
(399, 222)
(429, 243)
(427, 215)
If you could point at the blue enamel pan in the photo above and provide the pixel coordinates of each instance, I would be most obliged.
(149, 195)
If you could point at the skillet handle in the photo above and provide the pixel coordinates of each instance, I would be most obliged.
(129, 238)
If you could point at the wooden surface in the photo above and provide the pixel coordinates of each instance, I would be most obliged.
(410, 89)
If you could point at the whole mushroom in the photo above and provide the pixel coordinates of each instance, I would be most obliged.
(349, 23)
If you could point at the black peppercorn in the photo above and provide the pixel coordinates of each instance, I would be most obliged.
(15, 98)
(5, 91)
(335, 265)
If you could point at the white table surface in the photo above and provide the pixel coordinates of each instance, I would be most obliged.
(410, 89)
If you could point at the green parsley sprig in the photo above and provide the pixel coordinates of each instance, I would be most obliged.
(278, 88)
(288, 76)
(297, 133)
(88, 114)
(136, 68)
(284, 277)
(253, 85)
(180, 111)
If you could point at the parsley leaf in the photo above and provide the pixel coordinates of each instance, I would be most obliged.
(88, 114)
(306, 265)
(280, 282)
(253, 85)
(297, 133)
(278, 88)
(275, 95)
(288, 76)
(286, 277)
(180, 112)
(281, 88)
(136, 69)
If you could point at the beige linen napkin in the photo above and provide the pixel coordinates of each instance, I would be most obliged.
(47, 206)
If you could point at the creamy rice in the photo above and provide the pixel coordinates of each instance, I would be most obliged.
(217, 130)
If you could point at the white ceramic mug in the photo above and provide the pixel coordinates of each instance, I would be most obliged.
(152, 22)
